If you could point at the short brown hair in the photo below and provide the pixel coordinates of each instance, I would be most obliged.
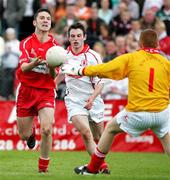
(41, 10)
(77, 26)
(149, 38)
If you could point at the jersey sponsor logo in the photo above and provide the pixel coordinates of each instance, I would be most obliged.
(40, 49)
(41, 68)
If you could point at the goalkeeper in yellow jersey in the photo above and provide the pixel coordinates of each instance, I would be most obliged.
(148, 107)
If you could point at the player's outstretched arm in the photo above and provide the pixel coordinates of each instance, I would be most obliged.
(115, 69)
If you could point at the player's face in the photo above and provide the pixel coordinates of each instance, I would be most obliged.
(77, 38)
(43, 21)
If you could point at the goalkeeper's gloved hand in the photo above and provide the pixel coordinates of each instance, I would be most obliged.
(72, 70)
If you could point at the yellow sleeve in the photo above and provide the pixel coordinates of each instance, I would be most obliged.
(114, 69)
(168, 71)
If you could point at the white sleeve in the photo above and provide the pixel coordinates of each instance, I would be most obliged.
(98, 60)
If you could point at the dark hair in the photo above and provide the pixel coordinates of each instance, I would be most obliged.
(41, 10)
(77, 26)
(149, 38)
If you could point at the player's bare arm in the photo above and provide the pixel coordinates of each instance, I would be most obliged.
(33, 63)
(97, 91)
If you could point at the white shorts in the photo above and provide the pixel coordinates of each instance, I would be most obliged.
(76, 107)
(135, 123)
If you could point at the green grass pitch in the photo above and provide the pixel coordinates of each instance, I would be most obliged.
(22, 165)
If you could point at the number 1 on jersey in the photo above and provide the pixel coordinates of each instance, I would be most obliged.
(151, 79)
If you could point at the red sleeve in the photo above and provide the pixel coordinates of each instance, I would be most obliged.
(24, 57)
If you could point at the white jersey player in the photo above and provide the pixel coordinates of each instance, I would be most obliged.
(84, 104)
(79, 89)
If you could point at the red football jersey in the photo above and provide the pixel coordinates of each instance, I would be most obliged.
(165, 45)
(39, 76)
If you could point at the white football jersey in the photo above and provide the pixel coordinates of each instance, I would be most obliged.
(82, 86)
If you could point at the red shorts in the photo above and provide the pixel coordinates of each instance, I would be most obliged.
(30, 100)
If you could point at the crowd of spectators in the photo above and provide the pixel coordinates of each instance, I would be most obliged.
(113, 28)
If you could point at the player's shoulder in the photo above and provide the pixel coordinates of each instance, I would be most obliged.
(163, 55)
(127, 55)
(133, 54)
(26, 40)
(53, 40)
(94, 53)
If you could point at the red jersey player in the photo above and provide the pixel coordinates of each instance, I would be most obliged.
(36, 95)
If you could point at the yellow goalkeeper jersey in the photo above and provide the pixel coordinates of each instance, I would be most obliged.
(149, 78)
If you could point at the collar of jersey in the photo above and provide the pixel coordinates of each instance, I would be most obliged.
(84, 50)
(35, 36)
(151, 50)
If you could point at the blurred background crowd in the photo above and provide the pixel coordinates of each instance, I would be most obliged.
(113, 28)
